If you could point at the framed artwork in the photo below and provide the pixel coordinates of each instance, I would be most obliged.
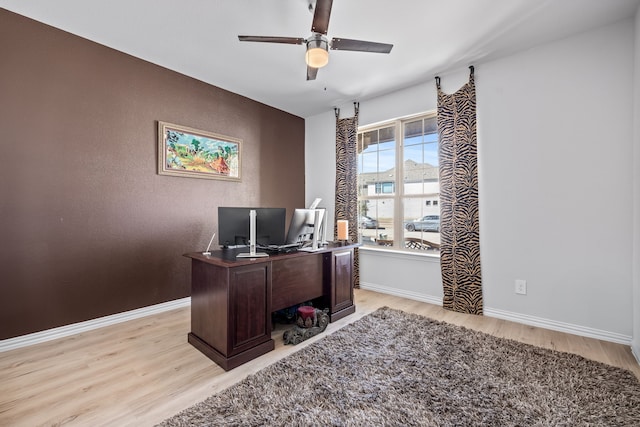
(193, 153)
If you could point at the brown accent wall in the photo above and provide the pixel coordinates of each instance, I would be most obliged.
(87, 226)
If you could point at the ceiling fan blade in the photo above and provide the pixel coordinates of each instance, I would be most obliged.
(270, 39)
(321, 16)
(360, 45)
(311, 73)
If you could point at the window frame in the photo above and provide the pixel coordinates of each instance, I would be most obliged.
(398, 195)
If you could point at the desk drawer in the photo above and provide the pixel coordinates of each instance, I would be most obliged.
(296, 280)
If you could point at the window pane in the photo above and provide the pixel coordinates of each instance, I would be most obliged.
(420, 177)
(368, 139)
(376, 140)
(431, 125)
(387, 162)
(368, 222)
(368, 162)
(421, 215)
(420, 157)
(421, 224)
(430, 151)
(413, 132)
(376, 162)
(388, 134)
(376, 221)
(414, 153)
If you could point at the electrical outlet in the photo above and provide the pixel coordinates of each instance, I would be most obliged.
(521, 287)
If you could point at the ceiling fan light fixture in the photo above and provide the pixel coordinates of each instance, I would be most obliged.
(317, 55)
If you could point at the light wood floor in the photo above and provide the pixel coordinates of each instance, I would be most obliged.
(143, 371)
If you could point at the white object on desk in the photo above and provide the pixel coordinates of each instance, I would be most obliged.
(315, 203)
(252, 239)
(343, 229)
(317, 239)
(209, 245)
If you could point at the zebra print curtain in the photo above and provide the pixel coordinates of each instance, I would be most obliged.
(346, 204)
(459, 226)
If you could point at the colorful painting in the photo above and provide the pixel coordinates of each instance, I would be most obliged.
(193, 153)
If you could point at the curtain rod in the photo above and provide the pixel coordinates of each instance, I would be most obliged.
(356, 107)
(471, 71)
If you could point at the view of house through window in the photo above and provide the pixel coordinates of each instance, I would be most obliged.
(398, 187)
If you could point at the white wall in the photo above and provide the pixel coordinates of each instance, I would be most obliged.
(320, 163)
(636, 191)
(555, 148)
(556, 184)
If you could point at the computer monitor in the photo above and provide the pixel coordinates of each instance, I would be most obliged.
(234, 226)
(303, 226)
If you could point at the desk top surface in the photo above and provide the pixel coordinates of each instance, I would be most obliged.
(227, 257)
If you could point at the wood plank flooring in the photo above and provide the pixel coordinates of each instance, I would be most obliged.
(143, 371)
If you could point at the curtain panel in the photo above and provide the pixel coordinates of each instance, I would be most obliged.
(459, 215)
(346, 203)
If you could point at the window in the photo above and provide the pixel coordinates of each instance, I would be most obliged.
(398, 184)
(384, 188)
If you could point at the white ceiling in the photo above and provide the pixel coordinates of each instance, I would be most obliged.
(199, 38)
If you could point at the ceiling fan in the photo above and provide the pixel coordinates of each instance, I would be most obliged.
(317, 55)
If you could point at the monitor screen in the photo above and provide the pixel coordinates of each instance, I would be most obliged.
(302, 226)
(233, 226)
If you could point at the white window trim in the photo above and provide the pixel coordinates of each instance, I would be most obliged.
(404, 253)
(398, 196)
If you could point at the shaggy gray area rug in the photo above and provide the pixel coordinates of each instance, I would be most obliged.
(394, 368)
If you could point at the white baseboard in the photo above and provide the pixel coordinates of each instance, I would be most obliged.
(553, 325)
(76, 328)
(636, 352)
(402, 293)
(514, 317)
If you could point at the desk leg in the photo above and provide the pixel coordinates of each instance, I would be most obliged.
(339, 283)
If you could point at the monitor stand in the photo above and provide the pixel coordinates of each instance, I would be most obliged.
(252, 240)
(252, 255)
(316, 241)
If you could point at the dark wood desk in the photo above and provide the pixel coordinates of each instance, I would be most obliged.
(232, 298)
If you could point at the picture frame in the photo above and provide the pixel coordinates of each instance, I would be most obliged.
(194, 153)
